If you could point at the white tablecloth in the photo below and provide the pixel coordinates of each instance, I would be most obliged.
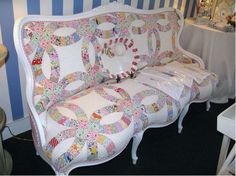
(217, 49)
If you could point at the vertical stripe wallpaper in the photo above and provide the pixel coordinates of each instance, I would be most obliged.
(12, 69)
(12, 81)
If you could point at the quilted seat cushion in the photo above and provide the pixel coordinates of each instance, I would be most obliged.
(94, 124)
(99, 122)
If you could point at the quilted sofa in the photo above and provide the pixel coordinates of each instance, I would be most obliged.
(98, 79)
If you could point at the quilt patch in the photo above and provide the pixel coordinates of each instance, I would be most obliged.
(88, 130)
(39, 38)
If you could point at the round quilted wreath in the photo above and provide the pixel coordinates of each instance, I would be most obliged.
(118, 48)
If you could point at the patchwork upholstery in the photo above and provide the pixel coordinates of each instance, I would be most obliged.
(79, 115)
(97, 129)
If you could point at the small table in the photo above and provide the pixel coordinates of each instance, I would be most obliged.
(217, 50)
(226, 125)
(5, 157)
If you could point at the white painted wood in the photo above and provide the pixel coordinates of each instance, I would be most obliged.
(208, 105)
(136, 141)
(226, 122)
(181, 118)
(226, 167)
(223, 152)
(226, 125)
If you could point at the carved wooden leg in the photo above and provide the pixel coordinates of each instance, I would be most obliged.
(181, 118)
(208, 105)
(61, 173)
(136, 141)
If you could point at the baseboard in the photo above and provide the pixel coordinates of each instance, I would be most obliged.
(17, 127)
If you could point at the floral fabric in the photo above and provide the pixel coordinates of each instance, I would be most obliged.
(99, 126)
(40, 39)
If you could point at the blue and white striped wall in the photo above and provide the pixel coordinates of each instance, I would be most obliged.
(12, 81)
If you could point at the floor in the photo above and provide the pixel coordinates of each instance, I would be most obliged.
(162, 151)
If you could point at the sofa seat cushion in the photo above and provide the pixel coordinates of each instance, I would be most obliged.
(98, 123)
(95, 124)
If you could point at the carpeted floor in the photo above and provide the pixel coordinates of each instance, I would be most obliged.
(162, 151)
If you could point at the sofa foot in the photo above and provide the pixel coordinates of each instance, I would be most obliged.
(61, 173)
(208, 105)
(136, 141)
(181, 118)
(134, 160)
(180, 127)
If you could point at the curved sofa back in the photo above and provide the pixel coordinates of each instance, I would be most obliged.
(61, 55)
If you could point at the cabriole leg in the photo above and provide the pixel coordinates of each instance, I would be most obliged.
(65, 173)
(136, 141)
(208, 105)
(181, 118)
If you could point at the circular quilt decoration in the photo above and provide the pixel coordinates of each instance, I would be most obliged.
(119, 57)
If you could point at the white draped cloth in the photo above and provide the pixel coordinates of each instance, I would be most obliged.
(217, 49)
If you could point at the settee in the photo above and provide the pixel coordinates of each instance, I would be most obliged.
(98, 79)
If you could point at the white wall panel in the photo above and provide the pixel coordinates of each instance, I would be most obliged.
(167, 2)
(103, 2)
(175, 5)
(20, 10)
(134, 3)
(46, 7)
(87, 5)
(68, 6)
(121, 1)
(146, 4)
(157, 4)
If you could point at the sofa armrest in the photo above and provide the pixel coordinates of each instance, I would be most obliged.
(184, 52)
(29, 83)
(194, 57)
